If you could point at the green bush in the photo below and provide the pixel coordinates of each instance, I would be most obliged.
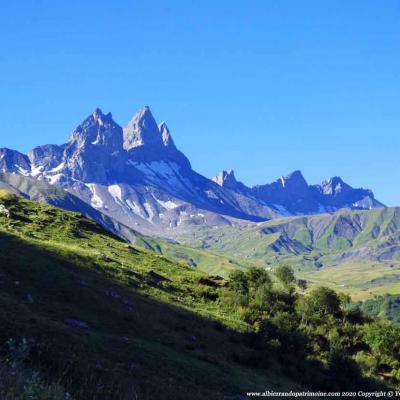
(323, 341)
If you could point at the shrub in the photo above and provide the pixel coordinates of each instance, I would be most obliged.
(285, 275)
(239, 282)
(320, 303)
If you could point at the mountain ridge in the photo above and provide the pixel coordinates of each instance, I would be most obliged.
(356, 251)
(137, 175)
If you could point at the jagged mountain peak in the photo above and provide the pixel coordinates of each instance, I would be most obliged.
(166, 135)
(124, 171)
(99, 116)
(295, 178)
(13, 161)
(336, 192)
(335, 179)
(97, 111)
(142, 130)
(144, 116)
(146, 141)
(295, 174)
(98, 129)
(225, 177)
(333, 186)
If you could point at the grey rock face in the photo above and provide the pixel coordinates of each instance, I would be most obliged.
(46, 157)
(226, 179)
(147, 142)
(336, 193)
(142, 130)
(14, 161)
(291, 191)
(94, 151)
(166, 135)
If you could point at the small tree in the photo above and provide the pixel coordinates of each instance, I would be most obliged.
(239, 282)
(383, 338)
(259, 277)
(285, 275)
(320, 303)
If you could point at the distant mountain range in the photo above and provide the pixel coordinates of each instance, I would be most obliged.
(137, 176)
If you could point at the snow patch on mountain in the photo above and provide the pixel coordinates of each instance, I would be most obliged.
(149, 210)
(116, 192)
(169, 205)
(54, 179)
(21, 170)
(96, 201)
(36, 170)
(59, 168)
(134, 207)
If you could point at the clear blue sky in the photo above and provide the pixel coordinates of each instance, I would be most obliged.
(263, 87)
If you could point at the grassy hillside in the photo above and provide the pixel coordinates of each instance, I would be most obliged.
(43, 192)
(202, 260)
(108, 320)
(356, 251)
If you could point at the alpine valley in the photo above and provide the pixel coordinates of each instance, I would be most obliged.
(125, 274)
(138, 185)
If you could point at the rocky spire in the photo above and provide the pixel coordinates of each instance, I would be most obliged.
(145, 141)
(294, 180)
(94, 151)
(225, 178)
(142, 130)
(98, 130)
(333, 186)
(166, 135)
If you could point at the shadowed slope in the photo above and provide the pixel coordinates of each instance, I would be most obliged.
(95, 309)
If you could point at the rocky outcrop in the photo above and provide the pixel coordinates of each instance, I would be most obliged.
(14, 161)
